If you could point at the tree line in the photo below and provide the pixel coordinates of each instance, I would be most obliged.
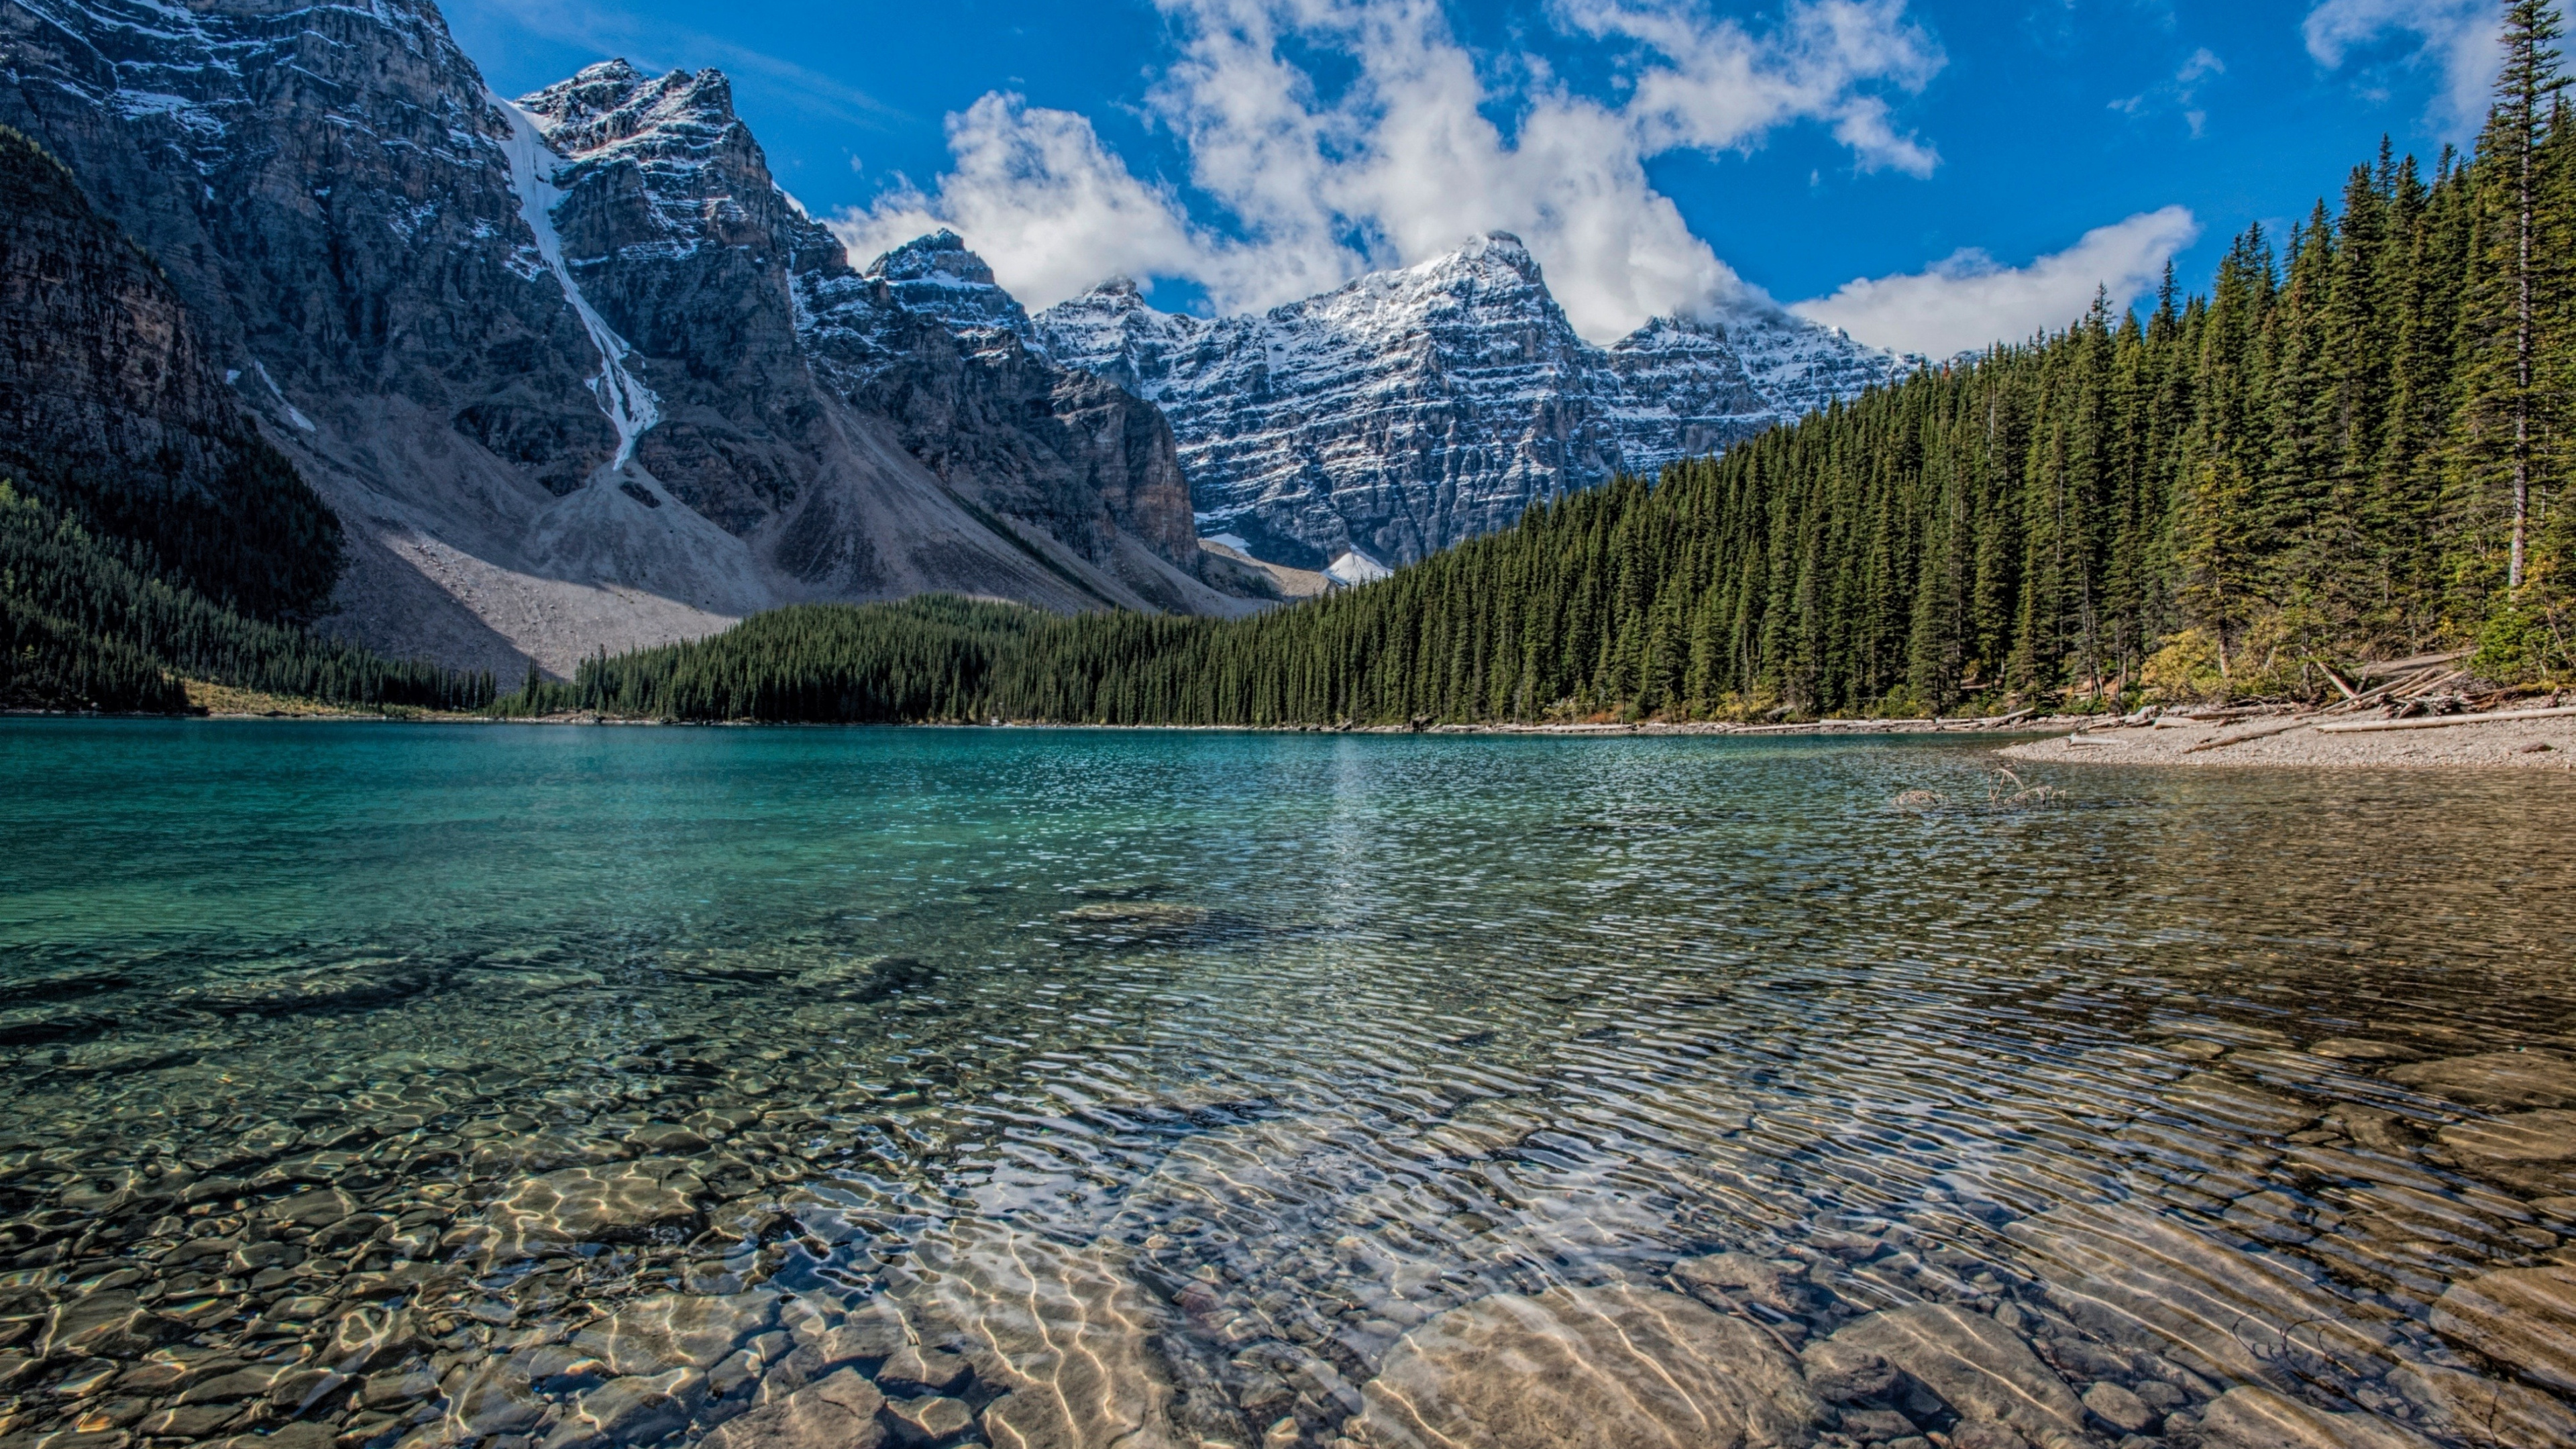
(2354, 445)
(91, 621)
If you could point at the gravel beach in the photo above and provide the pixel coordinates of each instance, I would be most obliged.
(2545, 744)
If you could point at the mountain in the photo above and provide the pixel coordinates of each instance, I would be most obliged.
(215, 507)
(1411, 410)
(573, 373)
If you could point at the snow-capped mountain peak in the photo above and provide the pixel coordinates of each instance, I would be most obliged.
(936, 276)
(1411, 409)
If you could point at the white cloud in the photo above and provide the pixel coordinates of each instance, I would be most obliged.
(1399, 161)
(1969, 301)
(1040, 198)
(2462, 38)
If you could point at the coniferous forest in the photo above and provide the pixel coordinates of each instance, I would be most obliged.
(89, 620)
(2354, 445)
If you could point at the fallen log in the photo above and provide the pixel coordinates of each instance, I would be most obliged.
(2404, 666)
(2442, 721)
(2302, 722)
(2419, 690)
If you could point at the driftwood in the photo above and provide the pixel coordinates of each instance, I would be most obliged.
(2406, 666)
(2442, 721)
(2302, 722)
(2418, 690)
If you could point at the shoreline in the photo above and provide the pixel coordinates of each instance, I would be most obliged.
(2528, 744)
(2050, 739)
(336, 714)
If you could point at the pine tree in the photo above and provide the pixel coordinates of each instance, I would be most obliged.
(2525, 94)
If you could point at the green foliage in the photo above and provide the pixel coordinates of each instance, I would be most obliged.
(47, 664)
(2301, 468)
(88, 627)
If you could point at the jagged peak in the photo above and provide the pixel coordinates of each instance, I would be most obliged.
(1485, 261)
(1486, 253)
(615, 101)
(942, 253)
(938, 277)
(1674, 331)
(620, 71)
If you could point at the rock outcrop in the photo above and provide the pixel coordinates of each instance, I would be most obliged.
(547, 361)
(1413, 409)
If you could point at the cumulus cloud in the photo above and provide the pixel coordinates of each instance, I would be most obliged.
(1301, 185)
(1970, 301)
(1042, 200)
(2460, 38)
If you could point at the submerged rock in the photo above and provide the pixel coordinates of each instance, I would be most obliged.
(1135, 915)
(1980, 1368)
(839, 1412)
(1586, 1368)
(2476, 1410)
(2525, 1317)
(676, 1330)
(1755, 1279)
(2258, 1418)
(110, 1324)
(2545, 1136)
(931, 1419)
(2360, 1049)
(654, 1200)
(632, 1410)
(2496, 1079)
(1063, 1332)
(1841, 1372)
(2114, 1405)
(372, 981)
(2138, 1278)
(2209, 1097)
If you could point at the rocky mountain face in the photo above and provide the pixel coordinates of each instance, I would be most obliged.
(574, 372)
(135, 430)
(1414, 409)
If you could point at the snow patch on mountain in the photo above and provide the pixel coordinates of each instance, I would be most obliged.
(1410, 410)
(1356, 568)
(631, 406)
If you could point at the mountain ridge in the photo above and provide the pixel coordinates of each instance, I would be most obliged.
(1411, 409)
(362, 232)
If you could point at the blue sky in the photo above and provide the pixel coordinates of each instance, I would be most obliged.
(1977, 165)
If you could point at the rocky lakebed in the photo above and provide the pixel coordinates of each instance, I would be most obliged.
(1642, 1093)
(431, 1253)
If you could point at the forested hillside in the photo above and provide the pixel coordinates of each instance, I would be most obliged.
(2354, 445)
(86, 622)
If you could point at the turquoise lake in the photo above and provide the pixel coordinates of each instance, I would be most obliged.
(375, 1085)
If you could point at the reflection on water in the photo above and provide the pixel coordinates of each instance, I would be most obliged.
(588, 1087)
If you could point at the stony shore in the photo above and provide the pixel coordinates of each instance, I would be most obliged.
(2532, 744)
